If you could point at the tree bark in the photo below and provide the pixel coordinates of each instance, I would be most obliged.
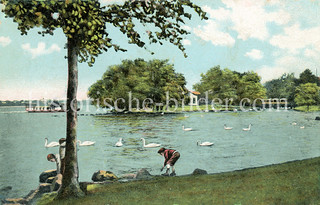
(70, 184)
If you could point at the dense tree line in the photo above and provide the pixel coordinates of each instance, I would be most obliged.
(298, 91)
(225, 84)
(122, 86)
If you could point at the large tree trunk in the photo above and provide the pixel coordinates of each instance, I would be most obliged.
(70, 184)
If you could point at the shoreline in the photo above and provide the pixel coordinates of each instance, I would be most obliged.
(35, 195)
(293, 182)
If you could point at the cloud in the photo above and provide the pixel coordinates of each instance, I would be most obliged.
(218, 14)
(254, 54)
(4, 41)
(248, 18)
(268, 73)
(186, 42)
(286, 64)
(294, 38)
(211, 32)
(280, 17)
(41, 49)
(311, 53)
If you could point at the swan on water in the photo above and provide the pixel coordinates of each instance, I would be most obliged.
(150, 145)
(85, 143)
(204, 143)
(302, 127)
(247, 129)
(119, 143)
(51, 144)
(294, 123)
(186, 129)
(227, 128)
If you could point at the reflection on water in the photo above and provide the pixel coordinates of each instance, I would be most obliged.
(272, 139)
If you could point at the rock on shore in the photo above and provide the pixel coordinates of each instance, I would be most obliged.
(199, 172)
(101, 176)
(47, 174)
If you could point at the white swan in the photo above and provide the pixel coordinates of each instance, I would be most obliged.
(149, 145)
(51, 144)
(302, 127)
(227, 128)
(247, 129)
(85, 143)
(186, 129)
(294, 123)
(119, 143)
(204, 143)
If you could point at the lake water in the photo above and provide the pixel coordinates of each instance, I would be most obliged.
(272, 139)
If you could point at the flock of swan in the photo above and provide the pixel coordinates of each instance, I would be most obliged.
(56, 144)
(150, 145)
(225, 127)
(89, 143)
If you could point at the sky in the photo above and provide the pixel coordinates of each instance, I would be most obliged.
(269, 37)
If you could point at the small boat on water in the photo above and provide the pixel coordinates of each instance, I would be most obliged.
(54, 107)
(44, 109)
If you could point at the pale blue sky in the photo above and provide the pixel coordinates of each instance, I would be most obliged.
(269, 37)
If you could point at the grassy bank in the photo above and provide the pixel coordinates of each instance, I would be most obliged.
(312, 108)
(289, 183)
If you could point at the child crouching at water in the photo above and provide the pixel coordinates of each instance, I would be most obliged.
(171, 156)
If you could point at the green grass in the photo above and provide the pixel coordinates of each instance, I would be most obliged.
(313, 108)
(289, 183)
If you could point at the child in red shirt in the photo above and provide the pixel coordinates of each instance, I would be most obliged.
(171, 156)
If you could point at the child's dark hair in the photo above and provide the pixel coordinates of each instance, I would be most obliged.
(161, 150)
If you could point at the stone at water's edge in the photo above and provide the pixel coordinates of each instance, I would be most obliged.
(199, 172)
(143, 174)
(14, 201)
(129, 176)
(101, 176)
(50, 180)
(47, 174)
(44, 188)
(317, 118)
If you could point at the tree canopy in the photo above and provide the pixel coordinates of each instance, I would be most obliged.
(307, 94)
(143, 80)
(308, 77)
(227, 84)
(283, 87)
(289, 87)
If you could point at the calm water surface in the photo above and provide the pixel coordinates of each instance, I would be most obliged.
(272, 139)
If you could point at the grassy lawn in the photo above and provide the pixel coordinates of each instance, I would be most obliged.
(295, 182)
(312, 108)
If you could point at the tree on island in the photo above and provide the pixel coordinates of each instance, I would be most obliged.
(84, 25)
(218, 83)
(226, 85)
(141, 84)
(307, 94)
